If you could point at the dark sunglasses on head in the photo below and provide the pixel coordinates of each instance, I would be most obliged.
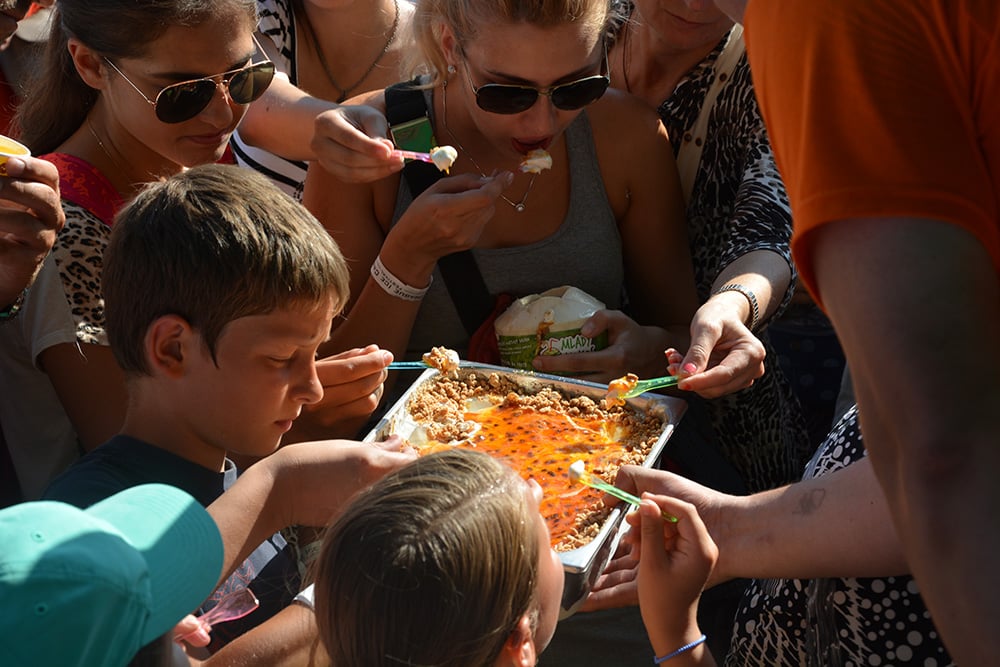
(509, 99)
(183, 101)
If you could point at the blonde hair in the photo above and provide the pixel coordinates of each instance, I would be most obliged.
(467, 17)
(435, 564)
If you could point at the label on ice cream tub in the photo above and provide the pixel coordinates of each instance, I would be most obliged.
(547, 324)
(518, 351)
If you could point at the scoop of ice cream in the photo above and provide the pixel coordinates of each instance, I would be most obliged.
(536, 161)
(443, 157)
(567, 307)
(577, 470)
(442, 358)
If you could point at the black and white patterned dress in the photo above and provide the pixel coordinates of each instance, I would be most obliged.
(835, 622)
(277, 21)
(738, 205)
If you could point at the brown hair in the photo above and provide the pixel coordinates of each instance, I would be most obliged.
(434, 565)
(57, 99)
(466, 17)
(212, 244)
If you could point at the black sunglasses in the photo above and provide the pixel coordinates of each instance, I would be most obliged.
(510, 99)
(183, 101)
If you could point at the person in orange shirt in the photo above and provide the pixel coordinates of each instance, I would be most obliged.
(883, 119)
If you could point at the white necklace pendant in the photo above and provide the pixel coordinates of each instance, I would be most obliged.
(519, 208)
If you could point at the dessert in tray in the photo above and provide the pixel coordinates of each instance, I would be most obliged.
(540, 434)
(541, 424)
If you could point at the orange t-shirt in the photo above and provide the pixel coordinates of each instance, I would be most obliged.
(882, 108)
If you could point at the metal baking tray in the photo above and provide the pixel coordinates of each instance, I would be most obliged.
(583, 565)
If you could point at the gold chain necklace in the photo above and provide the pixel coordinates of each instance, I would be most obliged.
(115, 161)
(517, 206)
(344, 92)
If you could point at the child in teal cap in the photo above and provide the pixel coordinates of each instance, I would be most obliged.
(92, 587)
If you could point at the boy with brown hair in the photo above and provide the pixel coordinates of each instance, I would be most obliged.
(219, 289)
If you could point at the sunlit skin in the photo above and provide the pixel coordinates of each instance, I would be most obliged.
(732, 8)
(500, 141)
(245, 400)
(139, 143)
(682, 25)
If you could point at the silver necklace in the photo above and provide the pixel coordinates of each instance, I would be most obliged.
(517, 206)
(344, 92)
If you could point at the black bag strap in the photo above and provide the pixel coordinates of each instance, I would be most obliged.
(405, 102)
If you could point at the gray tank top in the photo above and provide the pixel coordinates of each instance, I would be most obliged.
(585, 252)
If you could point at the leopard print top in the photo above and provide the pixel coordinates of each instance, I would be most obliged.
(90, 203)
(79, 254)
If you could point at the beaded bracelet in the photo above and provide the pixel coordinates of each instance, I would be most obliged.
(751, 297)
(394, 286)
(682, 649)
(11, 311)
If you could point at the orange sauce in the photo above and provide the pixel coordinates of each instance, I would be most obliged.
(542, 446)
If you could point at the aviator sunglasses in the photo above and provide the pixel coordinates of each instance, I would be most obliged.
(505, 98)
(183, 101)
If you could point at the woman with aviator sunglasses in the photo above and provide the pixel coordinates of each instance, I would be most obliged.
(504, 79)
(128, 93)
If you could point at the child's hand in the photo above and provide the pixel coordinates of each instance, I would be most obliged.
(675, 560)
(352, 388)
(193, 631)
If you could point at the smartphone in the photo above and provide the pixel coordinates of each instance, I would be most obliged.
(414, 135)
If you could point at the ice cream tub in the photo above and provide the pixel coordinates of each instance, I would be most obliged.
(547, 324)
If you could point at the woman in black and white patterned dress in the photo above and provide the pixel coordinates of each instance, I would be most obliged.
(850, 622)
(799, 542)
(739, 222)
(739, 229)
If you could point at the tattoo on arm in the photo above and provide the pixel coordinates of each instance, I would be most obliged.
(810, 501)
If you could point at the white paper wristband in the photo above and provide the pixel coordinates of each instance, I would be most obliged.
(394, 286)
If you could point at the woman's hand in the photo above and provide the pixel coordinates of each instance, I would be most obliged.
(447, 217)
(724, 356)
(631, 349)
(350, 143)
(352, 388)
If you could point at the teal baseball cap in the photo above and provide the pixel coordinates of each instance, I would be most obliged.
(91, 587)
